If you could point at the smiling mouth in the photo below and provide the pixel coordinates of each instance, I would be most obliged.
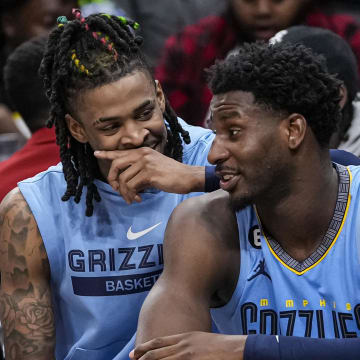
(228, 182)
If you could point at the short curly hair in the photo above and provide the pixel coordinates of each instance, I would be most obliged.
(284, 78)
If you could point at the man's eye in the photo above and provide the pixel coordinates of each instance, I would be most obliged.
(109, 127)
(234, 132)
(145, 115)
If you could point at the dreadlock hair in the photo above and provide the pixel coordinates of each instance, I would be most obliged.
(284, 78)
(84, 54)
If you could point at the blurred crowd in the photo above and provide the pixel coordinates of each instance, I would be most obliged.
(181, 39)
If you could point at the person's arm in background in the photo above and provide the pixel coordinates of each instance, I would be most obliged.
(25, 298)
(344, 157)
(270, 347)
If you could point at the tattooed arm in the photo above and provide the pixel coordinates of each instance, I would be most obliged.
(25, 299)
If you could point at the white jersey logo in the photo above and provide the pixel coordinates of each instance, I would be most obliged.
(135, 235)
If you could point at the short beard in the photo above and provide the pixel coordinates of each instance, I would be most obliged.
(240, 203)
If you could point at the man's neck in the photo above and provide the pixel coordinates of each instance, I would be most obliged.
(299, 221)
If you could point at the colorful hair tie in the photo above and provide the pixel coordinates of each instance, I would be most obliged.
(131, 23)
(105, 40)
(77, 13)
(77, 63)
(106, 15)
(123, 20)
(62, 20)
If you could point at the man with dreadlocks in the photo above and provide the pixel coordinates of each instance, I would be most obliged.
(75, 274)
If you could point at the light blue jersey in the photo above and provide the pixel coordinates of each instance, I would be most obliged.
(319, 297)
(102, 267)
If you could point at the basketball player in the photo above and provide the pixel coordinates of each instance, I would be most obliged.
(76, 260)
(277, 252)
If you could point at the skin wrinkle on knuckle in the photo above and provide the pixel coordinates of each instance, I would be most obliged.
(150, 355)
(146, 151)
(157, 343)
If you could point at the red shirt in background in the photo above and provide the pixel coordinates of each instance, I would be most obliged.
(38, 154)
(186, 55)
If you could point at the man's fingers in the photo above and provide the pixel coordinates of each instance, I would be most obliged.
(119, 173)
(165, 353)
(166, 342)
(126, 191)
(109, 155)
(124, 155)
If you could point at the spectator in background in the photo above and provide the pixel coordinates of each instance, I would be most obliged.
(26, 93)
(187, 54)
(159, 19)
(341, 61)
(21, 20)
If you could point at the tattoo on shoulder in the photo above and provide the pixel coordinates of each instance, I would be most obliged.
(25, 301)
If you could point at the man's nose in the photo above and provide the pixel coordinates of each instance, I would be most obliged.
(132, 135)
(218, 152)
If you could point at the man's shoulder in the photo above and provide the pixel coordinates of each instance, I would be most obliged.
(355, 174)
(51, 172)
(201, 140)
(197, 133)
(12, 205)
(210, 207)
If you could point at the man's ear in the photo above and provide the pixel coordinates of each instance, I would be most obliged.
(76, 129)
(295, 130)
(160, 95)
(344, 96)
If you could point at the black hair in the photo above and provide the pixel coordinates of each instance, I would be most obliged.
(23, 85)
(284, 78)
(83, 54)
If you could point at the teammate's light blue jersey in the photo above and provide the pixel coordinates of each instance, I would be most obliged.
(319, 297)
(102, 267)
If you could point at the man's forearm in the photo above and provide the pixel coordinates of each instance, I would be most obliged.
(164, 314)
(28, 329)
(266, 347)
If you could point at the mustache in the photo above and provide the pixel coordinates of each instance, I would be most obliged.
(223, 168)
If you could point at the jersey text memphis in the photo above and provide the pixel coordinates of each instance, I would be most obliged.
(319, 297)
